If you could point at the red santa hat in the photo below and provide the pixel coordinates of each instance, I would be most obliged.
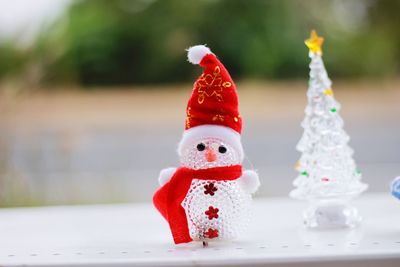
(212, 109)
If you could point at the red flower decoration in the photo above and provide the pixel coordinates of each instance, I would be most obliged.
(210, 189)
(211, 233)
(212, 213)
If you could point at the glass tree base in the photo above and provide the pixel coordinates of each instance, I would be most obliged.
(331, 213)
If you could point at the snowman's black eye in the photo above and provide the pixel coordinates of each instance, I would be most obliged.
(222, 149)
(201, 147)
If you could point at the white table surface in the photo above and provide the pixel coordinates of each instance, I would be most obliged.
(136, 235)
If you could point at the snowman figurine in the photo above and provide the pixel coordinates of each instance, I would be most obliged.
(209, 196)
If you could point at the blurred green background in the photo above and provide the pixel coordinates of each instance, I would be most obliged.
(123, 42)
(93, 93)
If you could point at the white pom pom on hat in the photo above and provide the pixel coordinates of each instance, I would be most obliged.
(197, 52)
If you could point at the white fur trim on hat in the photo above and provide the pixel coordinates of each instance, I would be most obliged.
(197, 52)
(224, 133)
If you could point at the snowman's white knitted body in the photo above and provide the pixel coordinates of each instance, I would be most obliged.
(215, 209)
(219, 208)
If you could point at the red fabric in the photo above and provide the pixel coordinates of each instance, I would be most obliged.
(214, 99)
(169, 197)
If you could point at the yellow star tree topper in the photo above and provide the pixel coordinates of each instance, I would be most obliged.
(314, 43)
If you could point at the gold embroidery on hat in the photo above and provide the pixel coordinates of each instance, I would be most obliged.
(188, 117)
(218, 117)
(211, 85)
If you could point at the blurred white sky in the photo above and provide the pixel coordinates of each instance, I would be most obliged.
(21, 19)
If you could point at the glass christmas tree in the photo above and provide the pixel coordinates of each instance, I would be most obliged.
(328, 177)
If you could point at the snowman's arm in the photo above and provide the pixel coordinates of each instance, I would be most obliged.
(166, 175)
(249, 181)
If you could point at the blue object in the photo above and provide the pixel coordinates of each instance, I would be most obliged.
(395, 187)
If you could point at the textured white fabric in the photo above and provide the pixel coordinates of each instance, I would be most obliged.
(166, 175)
(249, 181)
(226, 134)
(196, 53)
